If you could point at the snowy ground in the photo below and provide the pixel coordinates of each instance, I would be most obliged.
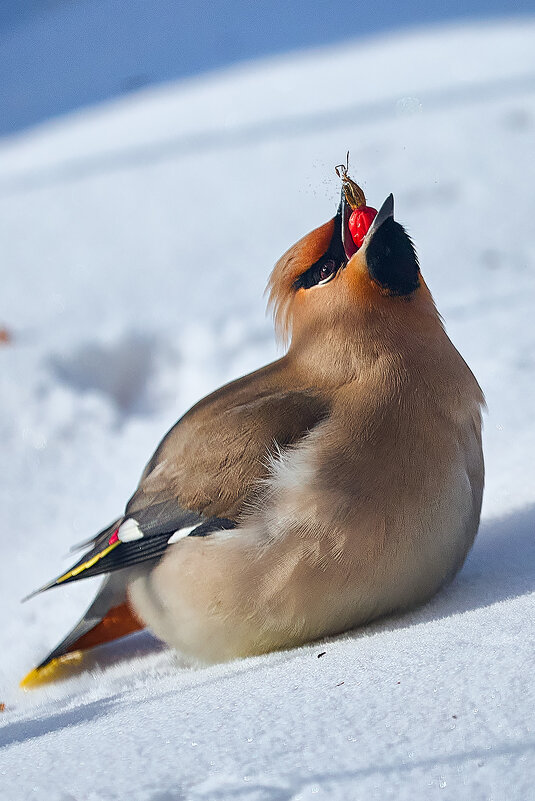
(61, 55)
(135, 243)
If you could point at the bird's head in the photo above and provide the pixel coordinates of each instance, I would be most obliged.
(326, 292)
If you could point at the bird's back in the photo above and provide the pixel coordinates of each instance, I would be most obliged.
(213, 459)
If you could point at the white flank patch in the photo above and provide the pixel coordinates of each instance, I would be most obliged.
(291, 468)
(129, 531)
(180, 534)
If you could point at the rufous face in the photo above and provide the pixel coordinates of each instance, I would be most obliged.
(323, 286)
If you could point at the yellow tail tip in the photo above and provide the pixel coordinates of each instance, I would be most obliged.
(55, 669)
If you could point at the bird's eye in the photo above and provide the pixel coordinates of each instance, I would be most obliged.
(327, 271)
(319, 274)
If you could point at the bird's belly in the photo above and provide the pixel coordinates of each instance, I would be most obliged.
(227, 595)
(432, 544)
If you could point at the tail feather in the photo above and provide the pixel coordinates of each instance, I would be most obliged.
(108, 618)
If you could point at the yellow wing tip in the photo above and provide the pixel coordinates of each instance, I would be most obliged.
(55, 669)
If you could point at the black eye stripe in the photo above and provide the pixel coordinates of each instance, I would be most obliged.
(332, 260)
(320, 271)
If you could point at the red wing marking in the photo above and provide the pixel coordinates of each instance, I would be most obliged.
(118, 622)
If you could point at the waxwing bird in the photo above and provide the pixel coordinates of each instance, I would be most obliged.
(340, 483)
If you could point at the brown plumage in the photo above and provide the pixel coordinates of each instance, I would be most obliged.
(337, 484)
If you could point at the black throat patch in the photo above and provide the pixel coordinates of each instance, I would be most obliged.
(391, 259)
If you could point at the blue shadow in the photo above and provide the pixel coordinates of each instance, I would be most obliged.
(60, 55)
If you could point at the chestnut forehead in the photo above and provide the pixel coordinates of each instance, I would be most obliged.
(305, 253)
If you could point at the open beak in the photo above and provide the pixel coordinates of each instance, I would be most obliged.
(347, 240)
(386, 211)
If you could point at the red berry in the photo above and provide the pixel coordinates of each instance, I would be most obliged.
(359, 223)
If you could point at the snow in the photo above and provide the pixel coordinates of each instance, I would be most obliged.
(60, 55)
(136, 240)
